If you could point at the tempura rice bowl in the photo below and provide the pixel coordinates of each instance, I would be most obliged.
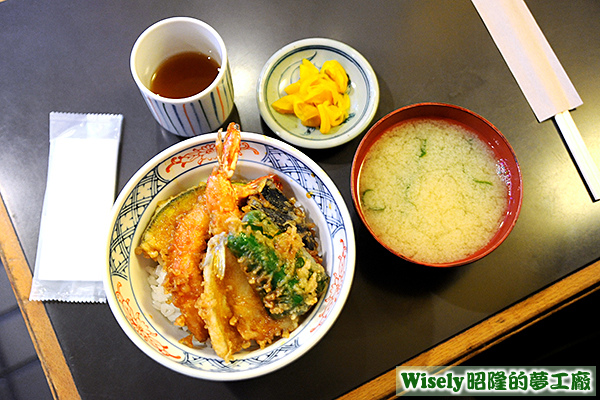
(184, 165)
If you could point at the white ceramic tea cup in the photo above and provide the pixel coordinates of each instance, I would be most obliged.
(201, 113)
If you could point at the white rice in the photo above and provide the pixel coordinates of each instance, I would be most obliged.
(161, 300)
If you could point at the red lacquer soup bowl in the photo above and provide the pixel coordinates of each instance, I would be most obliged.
(506, 165)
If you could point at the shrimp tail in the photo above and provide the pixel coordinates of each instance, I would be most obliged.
(215, 254)
(228, 149)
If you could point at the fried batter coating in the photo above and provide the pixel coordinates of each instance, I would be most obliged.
(215, 309)
(184, 276)
(251, 318)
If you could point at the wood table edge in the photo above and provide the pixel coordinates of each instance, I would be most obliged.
(491, 331)
(47, 347)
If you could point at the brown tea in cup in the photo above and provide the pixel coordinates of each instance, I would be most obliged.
(197, 108)
(184, 74)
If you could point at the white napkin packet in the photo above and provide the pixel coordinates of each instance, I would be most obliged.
(80, 189)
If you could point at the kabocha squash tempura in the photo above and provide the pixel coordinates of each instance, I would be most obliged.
(318, 98)
(241, 260)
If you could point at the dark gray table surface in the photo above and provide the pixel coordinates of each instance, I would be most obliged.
(74, 57)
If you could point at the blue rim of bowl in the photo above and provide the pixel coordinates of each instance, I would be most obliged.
(332, 139)
(291, 348)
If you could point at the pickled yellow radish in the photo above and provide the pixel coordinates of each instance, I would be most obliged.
(307, 69)
(285, 105)
(293, 88)
(334, 70)
(325, 125)
(336, 115)
(308, 114)
(319, 97)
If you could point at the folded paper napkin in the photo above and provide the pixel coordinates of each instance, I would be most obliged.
(80, 189)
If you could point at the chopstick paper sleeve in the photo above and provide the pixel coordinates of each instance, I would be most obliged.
(529, 56)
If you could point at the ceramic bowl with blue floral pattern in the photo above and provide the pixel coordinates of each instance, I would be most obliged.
(184, 165)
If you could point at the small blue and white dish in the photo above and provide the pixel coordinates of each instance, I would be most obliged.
(282, 69)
